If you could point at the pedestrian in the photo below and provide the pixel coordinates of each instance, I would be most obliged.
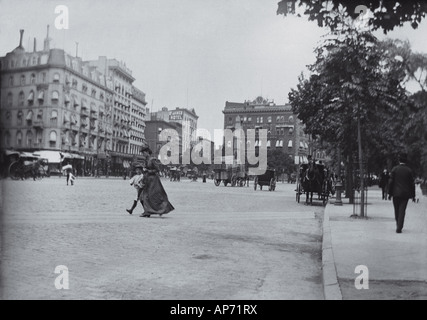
(68, 172)
(383, 184)
(136, 182)
(401, 188)
(72, 178)
(153, 196)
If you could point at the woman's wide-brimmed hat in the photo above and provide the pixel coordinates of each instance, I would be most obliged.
(137, 165)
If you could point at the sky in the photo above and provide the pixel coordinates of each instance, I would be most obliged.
(184, 53)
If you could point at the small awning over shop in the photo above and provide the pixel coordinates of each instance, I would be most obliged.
(51, 156)
(29, 115)
(301, 159)
(41, 95)
(77, 156)
(66, 117)
(31, 96)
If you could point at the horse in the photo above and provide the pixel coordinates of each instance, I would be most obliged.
(312, 181)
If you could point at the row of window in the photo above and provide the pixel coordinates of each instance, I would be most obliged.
(31, 98)
(32, 79)
(279, 144)
(259, 120)
(31, 61)
(29, 139)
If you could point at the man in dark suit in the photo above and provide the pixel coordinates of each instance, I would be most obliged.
(401, 188)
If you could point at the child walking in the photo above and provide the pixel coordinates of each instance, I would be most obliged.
(137, 182)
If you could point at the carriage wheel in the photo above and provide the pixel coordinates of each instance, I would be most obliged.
(15, 171)
(217, 182)
(225, 183)
(255, 183)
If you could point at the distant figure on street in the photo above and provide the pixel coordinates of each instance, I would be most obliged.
(384, 178)
(153, 196)
(136, 182)
(68, 175)
(72, 179)
(401, 188)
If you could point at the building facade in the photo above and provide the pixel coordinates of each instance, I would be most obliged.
(152, 135)
(87, 111)
(52, 101)
(285, 131)
(138, 116)
(186, 118)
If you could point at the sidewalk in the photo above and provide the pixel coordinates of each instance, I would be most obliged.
(396, 263)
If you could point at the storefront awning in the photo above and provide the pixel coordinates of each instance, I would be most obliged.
(126, 164)
(29, 115)
(51, 156)
(31, 96)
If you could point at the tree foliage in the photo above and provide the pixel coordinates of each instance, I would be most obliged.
(386, 15)
(355, 79)
(281, 162)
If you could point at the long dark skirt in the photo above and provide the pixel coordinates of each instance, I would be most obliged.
(154, 198)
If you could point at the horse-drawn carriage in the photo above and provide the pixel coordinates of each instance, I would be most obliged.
(175, 173)
(27, 165)
(314, 178)
(267, 179)
(235, 175)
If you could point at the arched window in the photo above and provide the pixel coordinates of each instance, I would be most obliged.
(52, 139)
(53, 118)
(9, 99)
(7, 139)
(34, 61)
(22, 80)
(33, 78)
(21, 99)
(56, 77)
(19, 139)
(55, 96)
(291, 118)
(11, 81)
(30, 98)
(29, 138)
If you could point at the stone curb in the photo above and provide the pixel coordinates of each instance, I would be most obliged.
(331, 287)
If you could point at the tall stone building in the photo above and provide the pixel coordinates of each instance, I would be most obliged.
(284, 131)
(52, 101)
(60, 106)
(187, 118)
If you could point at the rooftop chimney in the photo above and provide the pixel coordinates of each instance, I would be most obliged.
(20, 38)
(47, 41)
(35, 45)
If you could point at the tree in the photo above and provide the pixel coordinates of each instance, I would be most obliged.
(354, 94)
(280, 161)
(386, 15)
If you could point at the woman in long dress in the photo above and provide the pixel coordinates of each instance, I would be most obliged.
(153, 196)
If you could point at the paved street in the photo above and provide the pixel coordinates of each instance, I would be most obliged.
(219, 243)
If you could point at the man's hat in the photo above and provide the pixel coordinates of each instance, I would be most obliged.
(403, 157)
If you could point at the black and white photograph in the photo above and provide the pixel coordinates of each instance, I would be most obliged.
(213, 155)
